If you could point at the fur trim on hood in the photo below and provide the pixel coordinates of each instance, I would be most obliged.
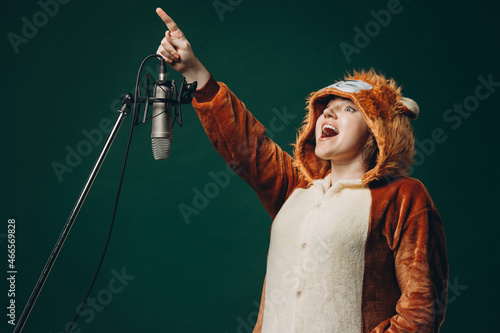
(387, 114)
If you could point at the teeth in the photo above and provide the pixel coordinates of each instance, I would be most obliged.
(330, 127)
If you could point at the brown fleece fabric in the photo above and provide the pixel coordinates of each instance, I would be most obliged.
(405, 260)
(404, 285)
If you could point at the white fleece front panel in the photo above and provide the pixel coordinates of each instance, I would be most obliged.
(315, 266)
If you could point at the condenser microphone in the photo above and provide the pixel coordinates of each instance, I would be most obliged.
(161, 129)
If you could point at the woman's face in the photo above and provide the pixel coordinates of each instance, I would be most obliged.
(341, 132)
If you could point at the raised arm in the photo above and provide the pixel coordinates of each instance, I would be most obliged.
(234, 132)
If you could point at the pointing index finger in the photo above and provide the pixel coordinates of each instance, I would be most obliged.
(171, 25)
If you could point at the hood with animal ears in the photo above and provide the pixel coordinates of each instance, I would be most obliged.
(387, 113)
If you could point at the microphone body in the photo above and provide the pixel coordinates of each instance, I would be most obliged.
(161, 130)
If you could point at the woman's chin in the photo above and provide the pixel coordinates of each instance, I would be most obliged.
(322, 155)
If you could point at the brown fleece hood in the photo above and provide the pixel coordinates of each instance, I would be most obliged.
(387, 114)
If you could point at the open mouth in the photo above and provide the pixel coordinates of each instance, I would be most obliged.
(329, 131)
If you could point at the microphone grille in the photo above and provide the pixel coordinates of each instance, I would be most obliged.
(161, 148)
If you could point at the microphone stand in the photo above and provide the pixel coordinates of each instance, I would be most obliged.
(124, 111)
(184, 96)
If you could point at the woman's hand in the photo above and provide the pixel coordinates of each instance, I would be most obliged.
(178, 53)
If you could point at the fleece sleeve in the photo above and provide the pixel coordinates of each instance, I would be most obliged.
(421, 271)
(241, 140)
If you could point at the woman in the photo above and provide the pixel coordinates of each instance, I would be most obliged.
(356, 245)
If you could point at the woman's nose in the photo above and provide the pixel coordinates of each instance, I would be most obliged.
(330, 113)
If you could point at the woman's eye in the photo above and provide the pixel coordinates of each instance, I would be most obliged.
(350, 109)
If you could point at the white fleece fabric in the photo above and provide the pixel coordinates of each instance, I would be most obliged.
(316, 259)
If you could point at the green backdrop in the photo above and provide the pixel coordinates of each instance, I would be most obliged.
(64, 65)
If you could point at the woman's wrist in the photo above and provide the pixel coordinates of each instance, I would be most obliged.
(197, 73)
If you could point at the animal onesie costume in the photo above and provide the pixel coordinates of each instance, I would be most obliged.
(360, 255)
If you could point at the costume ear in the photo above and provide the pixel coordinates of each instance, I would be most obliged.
(410, 107)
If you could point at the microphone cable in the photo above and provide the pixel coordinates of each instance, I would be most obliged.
(117, 193)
